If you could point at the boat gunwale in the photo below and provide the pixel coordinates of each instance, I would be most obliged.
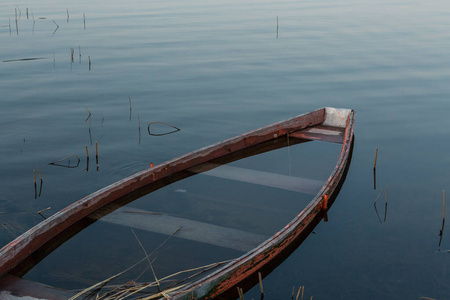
(26, 244)
(228, 276)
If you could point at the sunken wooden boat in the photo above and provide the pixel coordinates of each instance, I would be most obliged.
(325, 124)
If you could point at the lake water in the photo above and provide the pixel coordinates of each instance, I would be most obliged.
(217, 69)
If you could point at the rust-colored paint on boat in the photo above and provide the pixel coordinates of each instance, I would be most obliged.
(26, 244)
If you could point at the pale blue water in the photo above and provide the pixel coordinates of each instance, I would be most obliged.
(217, 69)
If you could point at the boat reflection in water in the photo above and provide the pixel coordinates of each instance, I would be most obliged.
(232, 207)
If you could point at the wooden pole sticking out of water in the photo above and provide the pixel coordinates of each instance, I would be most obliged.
(129, 100)
(298, 293)
(241, 293)
(443, 213)
(386, 194)
(87, 153)
(277, 26)
(96, 153)
(35, 188)
(89, 58)
(40, 176)
(261, 284)
(375, 163)
(67, 10)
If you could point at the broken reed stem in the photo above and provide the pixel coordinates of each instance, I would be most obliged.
(375, 163)
(298, 293)
(42, 210)
(67, 10)
(87, 153)
(96, 153)
(443, 214)
(260, 283)
(84, 20)
(79, 53)
(9, 26)
(386, 195)
(71, 54)
(241, 293)
(27, 13)
(89, 58)
(39, 171)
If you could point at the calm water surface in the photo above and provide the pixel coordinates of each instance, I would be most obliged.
(218, 69)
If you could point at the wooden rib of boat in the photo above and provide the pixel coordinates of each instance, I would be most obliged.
(328, 124)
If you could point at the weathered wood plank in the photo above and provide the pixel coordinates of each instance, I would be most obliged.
(322, 133)
(290, 183)
(183, 228)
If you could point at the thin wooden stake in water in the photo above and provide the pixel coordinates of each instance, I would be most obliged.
(375, 163)
(375, 170)
(9, 26)
(96, 153)
(89, 58)
(441, 232)
(84, 20)
(67, 10)
(298, 293)
(241, 293)
(385, 206)
(277, 26)
(27, 13)
(40, 176)
(139, 122)
(129, 99)
(87, 153)
(261, 284)
(35, 188)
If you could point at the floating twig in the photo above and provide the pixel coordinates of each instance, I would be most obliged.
(42, 210)
(88, 113)
(24, 59)
(160, 134)
(57, 163)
